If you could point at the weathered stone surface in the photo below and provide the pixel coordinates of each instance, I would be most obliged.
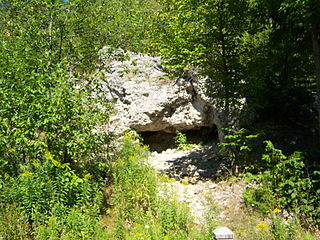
(146, 99)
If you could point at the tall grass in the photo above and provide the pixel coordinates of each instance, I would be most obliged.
(141, 212)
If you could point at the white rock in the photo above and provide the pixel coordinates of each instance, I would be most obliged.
(196, 174)
(223, 233)
(212, 186)
(146, 99)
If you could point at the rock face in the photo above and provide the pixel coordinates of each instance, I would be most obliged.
(146, 99)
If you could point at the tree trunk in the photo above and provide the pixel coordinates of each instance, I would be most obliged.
(224, 68)
(316, 52)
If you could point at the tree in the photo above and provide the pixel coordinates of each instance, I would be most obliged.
(58, 31)
(43, 107)
(206, 34)
(127, 23)
(315, 33)
(292, 59)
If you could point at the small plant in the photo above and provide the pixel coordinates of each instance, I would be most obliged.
(182, 143)
(134, 62)
(181, 139)
(166, 179)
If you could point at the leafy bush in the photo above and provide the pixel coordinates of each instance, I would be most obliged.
(51, 114)
(53, 198)
(285, 185)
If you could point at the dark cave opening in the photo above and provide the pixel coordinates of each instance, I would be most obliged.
(160, 141)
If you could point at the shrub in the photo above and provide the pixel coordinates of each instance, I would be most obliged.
(53, 198)
(44, 110)
(285, 185)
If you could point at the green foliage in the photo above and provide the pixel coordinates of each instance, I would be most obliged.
(277, 227)
(134, 189)
(207, 35)
(237, 148)
(53, 198)
(53, 154)
(182, 143)
(281, 62)
(141, 211)
(127, 24)
(261, 198)
(285, 185)
(55, 31)
(78, 224)
(181, 139)
(257, 49)
(13, 223)
(43, 110)
(170, 222)
(42, 107)
(173, 217)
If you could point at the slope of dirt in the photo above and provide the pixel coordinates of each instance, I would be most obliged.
(191, 175)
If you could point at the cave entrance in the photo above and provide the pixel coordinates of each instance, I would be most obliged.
(159, 140)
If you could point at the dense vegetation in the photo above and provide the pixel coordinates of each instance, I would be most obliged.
(61, 176)
(268, 53)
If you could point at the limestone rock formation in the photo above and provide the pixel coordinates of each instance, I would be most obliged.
(146, 99)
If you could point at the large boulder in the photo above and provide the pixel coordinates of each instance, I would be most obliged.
(146, 99)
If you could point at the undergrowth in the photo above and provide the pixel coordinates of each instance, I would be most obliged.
(248, 224)
(49, 200)
(144, 212)
(285, 184)
(141, 211)
(52, 200)
(282, 192)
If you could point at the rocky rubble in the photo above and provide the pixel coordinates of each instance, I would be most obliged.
(197, 165)
(191, 178)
